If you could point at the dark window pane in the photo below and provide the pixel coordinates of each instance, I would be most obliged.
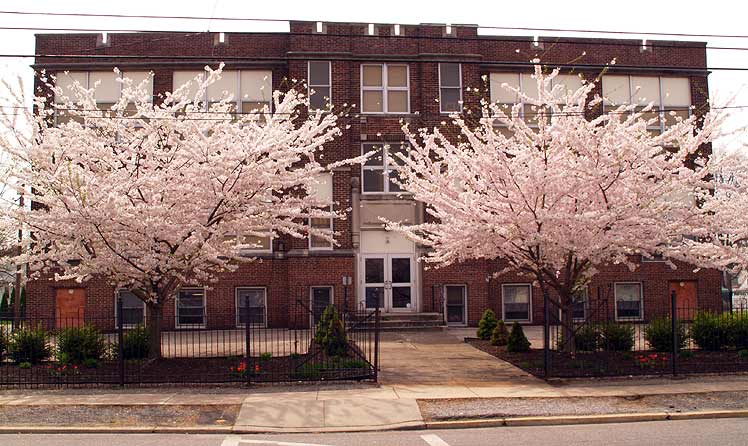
(374, 297)
(376, 158)
(256, 299)
(516, 311)
(132, 316)
(394, 187)
(449, 74)
(374, 180)
(374, 270)
(401, 297)
(455, 295)
(455, 314)
(319, 73)
(190, 307)
(319, 98)
(400, 270)
(321, 299)
(450, 99)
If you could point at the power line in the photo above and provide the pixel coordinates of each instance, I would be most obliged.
(255, 19)
(373, 59)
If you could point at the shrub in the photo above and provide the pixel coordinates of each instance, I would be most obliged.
(743, 354)
(587, 339)
(91, 363)
(3, 343)
(29, 345)
(710, 331)
(500, 335)
(617, 337)
(658, 334)
(24, 365)
(135, 343)
(738, 331)
(487, 324)
(330, 333)
(81, 343)
(295, 355)
(517, 340)
(266, 356)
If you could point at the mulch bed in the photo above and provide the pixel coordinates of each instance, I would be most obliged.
(182, 370)
(593, 364)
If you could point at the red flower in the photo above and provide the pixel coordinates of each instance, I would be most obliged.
(257, 368)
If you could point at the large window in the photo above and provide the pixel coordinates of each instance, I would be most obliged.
(671, 97)
(516, 299)
(525, 83)
(380, 171)
(191, 308)
(133, 309)
(108, 87)
(385, 88)
(628, 301)
(450, 87)
(249, 90)
(251, 305)
(320, 84)
(256, 244)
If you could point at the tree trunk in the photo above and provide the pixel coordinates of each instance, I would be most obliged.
(154, 330)
(567, 323)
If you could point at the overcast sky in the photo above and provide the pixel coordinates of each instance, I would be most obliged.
(712, 17)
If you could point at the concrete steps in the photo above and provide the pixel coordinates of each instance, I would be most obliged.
(407, 322)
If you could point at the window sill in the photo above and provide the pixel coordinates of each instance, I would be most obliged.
(386, 196)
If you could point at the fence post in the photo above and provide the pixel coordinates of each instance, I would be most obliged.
(120, 342)
(247, 341)
(674, 323)
(546, 336)
(376, 345)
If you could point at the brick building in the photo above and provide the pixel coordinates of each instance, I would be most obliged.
(415, 73)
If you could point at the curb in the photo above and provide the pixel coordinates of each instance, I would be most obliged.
(452, 424)
(586, 419)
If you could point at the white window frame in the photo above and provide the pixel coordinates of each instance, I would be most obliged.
(236, 306)
(312, 86)
(311, 299)
(464, 287)
(659, 258)
(238, 100)
(177, 325)
(460, 103)
(332, 230)
(385, 88)
(660, 109)
(116, 316)
(641, 301)
(529, 306)
(384, 168)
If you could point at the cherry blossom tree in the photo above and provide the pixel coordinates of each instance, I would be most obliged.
(562, 191)
(154, 196)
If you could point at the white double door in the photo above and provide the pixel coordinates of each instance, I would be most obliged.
(388, 281)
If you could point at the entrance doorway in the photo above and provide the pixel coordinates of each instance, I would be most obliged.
(388, 282)
(685, 298)
(70, 304)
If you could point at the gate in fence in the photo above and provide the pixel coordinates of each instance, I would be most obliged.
(337, 345)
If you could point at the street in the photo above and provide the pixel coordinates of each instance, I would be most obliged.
(725, 432)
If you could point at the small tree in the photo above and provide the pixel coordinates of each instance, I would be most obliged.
(487, 324)
(4, 303)
(500, 335)
(518, 342)
(330, 334)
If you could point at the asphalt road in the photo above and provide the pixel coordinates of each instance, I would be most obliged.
(723, 432)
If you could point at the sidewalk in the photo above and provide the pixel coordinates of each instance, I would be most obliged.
(326, 409)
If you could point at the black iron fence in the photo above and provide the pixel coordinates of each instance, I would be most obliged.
(674, 336)
(76, 351)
